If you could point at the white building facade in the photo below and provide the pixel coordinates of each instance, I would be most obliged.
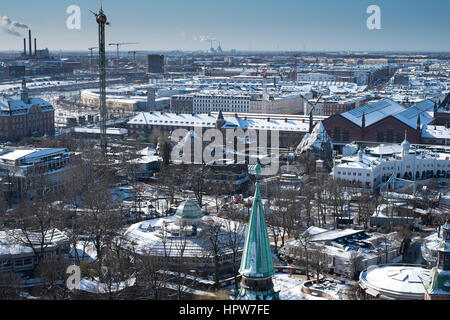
(377, 165)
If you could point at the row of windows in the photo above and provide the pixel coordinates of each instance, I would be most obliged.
(17, 262)
(389, 136)
(337, 135)
(344, 173)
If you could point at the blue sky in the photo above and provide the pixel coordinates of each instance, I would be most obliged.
(407, 25)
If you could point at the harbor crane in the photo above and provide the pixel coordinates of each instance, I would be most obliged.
(118, 45)
(91, 67)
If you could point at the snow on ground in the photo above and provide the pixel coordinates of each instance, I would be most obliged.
(85, 250)
(290, 288)
(332, 287)
(94, 286)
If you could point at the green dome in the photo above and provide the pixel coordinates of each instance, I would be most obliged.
(189, 209)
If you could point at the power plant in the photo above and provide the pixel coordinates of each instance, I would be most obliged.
(28, 53)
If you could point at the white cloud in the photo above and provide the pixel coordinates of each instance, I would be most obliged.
(10, 27)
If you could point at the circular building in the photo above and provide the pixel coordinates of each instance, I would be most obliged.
(184, 241)
(393, 282)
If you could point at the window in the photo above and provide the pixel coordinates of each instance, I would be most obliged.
(380, 137)
(390, 136)
(346, 137)
(337, 134)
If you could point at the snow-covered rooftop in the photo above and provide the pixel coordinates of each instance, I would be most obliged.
(28, 155)
(209, 121)
(373, 112)
(396, 281)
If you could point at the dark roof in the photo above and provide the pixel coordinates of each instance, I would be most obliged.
(446, 103)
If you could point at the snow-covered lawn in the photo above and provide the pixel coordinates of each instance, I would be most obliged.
(94, 286)
(290, 288)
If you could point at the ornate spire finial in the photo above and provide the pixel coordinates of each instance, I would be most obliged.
(258, 171)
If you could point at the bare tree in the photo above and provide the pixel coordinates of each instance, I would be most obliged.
(10, 286)
(235, 231)
(302, 253)
(308, 160)
(101, 219)
(308, 193)
(118, 271)
(364, 211)
(35, 225)
(356, 263)
(212, 234)
(180, 266)
(173, 177)
(52, 272)
(319, 260)
(152, 276)
(197, 181)
(337, 200)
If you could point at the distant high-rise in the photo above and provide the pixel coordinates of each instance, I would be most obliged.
(155, 63)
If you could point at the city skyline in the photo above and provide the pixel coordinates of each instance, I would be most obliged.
(244, 26)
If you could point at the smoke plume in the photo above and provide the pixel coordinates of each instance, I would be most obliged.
(10, 27)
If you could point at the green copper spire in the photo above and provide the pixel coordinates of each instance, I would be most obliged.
(256, 263)
(439, 282)
(257, 257)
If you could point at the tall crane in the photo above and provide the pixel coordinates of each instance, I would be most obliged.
(102, 21)
(118, 50)
(91, 67)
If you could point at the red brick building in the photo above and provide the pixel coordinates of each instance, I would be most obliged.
(25, 117)
(383, 121)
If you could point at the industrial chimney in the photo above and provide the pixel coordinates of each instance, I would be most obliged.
(35, 47)
(29, 38)
(24, 47)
